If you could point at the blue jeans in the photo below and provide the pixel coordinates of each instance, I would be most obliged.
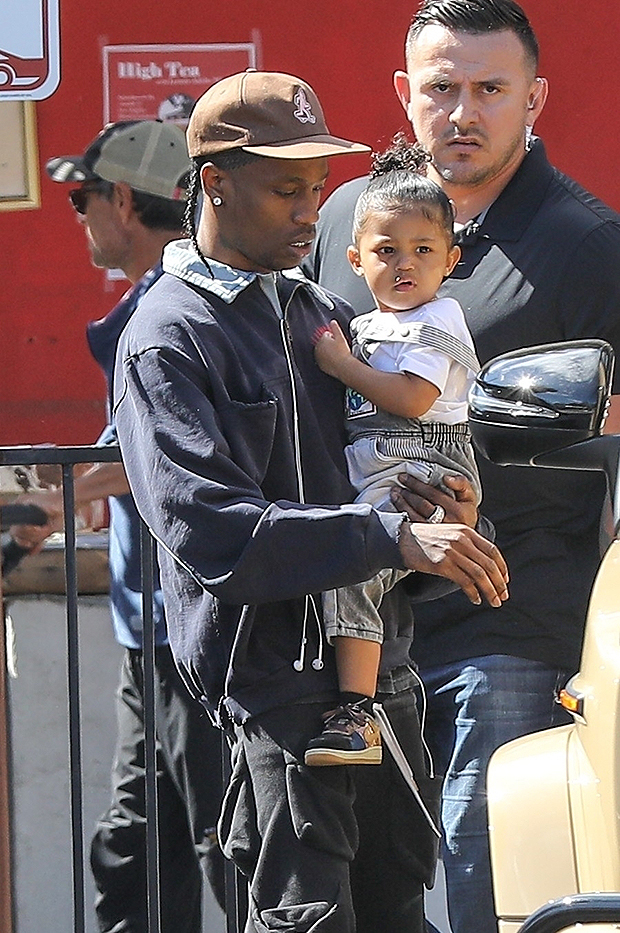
(474, 706)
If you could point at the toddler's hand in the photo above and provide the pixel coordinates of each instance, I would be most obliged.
(330, 348)
(319, 332)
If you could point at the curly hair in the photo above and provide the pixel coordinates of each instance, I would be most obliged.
(398, 182)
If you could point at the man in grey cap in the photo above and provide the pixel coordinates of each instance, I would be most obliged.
(233, 443)
(130, 200)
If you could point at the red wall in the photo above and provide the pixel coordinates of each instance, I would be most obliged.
(50, 390)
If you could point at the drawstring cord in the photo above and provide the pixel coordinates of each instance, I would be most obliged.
(318, 662)
(420, 682)
(268, 284)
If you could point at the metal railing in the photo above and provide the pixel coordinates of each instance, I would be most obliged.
(572, 910)
(67, 458)
(551, 918)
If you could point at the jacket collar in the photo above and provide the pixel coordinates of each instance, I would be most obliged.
(180, 259)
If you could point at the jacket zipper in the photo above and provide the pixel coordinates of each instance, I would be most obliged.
(309, 601)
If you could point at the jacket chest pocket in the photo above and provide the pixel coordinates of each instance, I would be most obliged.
(249, 429)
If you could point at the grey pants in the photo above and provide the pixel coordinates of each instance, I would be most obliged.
(374, 462)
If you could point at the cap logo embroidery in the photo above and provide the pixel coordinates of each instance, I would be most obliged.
(303, 113)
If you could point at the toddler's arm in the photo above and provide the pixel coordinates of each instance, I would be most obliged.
(401, 394)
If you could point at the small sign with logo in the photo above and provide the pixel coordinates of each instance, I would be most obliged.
(29, 49)
(163, 82)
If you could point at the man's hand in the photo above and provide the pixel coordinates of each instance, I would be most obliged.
(419, 500)
(460, 554)
(50, 501)
(452, 550)
(92, 484)
(30, 537)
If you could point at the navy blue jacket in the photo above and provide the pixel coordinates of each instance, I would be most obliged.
(232, 439)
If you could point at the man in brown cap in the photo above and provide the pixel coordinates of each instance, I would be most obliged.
(233, 443)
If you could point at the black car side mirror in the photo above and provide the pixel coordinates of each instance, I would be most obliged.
(529, 402)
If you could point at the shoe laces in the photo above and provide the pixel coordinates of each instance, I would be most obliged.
(345, 713)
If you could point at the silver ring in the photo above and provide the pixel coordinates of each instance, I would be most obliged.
(437, 515)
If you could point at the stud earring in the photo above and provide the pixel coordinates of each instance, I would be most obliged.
(216, 201)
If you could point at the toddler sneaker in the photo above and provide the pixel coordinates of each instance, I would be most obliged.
(350, 736)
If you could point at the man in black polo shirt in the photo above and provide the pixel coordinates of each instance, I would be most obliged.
(541, 262)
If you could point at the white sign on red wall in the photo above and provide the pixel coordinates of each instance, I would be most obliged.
(29, 49)
(162, 82)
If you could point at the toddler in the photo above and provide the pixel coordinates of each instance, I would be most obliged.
(407, 376)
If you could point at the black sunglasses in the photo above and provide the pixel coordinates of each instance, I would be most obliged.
(79, 196)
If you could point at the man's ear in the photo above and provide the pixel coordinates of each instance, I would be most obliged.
(536, 100)
(402, 88)
(211, 180)
(353, 255)
(123, 200)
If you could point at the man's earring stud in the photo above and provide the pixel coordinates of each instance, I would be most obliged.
(216, 201)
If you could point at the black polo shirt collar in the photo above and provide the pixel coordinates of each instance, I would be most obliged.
(512, 212)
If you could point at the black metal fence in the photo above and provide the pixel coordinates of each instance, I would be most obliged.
(67, 458)
(549, 919)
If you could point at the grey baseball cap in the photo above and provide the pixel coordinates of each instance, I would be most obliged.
(147, 155)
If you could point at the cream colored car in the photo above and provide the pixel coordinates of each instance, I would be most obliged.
(554, 796)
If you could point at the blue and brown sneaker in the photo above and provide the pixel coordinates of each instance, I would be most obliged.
(350, 736)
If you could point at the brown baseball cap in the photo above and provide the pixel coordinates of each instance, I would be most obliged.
(264, 112)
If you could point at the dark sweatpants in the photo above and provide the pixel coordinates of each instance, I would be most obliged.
(189, 791)
(397, 853)
(293, 830)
